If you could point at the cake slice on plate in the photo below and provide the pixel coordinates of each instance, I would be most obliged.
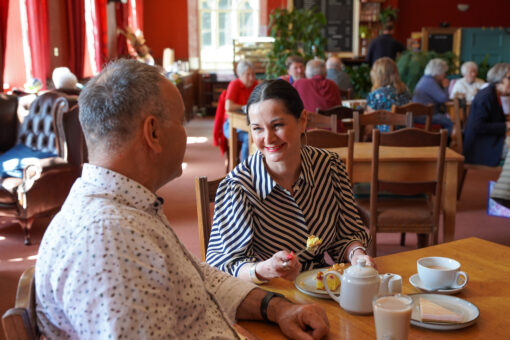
(432, 312)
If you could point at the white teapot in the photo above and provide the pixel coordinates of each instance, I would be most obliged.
(359, 284)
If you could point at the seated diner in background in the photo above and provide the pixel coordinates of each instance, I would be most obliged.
(387, 88)
(486, 126)
(315, 90)
(295, 69)
(267, 207)
(469, 84)
(238, 92)
(432, 88)
(110, 266)
(335, 72)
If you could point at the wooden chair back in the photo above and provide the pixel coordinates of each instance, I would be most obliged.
(205, 192)
(417, 110)
(20, 322)
(327, 139)
(319, 121)
(380, 117)
(461, 112)
(341, 112)
(346, 94)
(408, 137)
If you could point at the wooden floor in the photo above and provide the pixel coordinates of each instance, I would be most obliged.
(202, 158)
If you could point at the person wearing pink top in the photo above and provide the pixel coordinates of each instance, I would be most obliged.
(315, 90)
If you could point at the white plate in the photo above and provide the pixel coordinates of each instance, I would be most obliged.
(469, 311)
(416, 282)
(305, 283)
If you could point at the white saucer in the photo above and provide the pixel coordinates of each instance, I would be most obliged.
(416, 282)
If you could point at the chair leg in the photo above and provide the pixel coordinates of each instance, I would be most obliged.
(423, 240)
(402, 239)
(26, 225)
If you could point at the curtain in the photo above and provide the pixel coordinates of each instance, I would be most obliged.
(97, 33)
(122, 18)
(34, 23)
(76, 29)
(135, 19)
(4, 9)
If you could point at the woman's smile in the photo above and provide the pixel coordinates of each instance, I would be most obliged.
(275, 148)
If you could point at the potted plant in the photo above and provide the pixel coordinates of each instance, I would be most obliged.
(297, 32)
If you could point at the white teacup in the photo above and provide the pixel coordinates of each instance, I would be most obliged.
(440, 273)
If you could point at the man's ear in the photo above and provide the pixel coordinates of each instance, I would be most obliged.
(152, 133)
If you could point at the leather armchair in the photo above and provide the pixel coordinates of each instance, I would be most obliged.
(46, 182)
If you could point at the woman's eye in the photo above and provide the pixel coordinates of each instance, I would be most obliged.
(277, 126)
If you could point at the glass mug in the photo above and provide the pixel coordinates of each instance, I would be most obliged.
(392, 316)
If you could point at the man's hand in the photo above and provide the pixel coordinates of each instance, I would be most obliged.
(303, 322)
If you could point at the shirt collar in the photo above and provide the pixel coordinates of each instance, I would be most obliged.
(264, 183)
(123, 189)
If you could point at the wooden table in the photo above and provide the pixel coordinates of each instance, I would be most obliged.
(488, 288)
(411, 164)
(237, 121)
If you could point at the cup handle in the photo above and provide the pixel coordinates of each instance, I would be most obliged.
(339, 276)
(457, 275)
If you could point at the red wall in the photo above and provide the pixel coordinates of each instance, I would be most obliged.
(166, 25)
(415, 14)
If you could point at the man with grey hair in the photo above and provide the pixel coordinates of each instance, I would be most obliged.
(432, 88)
(487, 125)
(469, 84)
(238, 92)
(110, 266)
(315, 90)
(337, 74)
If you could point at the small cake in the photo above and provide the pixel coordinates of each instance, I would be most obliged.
(432, 312)
(332, 281)
(313, 242)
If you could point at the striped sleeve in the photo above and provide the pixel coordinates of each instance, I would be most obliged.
(230, 243)
(351, 227)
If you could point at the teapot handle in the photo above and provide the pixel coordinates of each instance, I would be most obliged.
(339, 276)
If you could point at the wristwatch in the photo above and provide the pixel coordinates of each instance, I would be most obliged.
(265, 303)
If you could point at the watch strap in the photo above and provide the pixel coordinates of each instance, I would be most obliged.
(265, 303)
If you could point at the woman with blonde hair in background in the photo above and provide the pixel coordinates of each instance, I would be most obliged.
(387, 88)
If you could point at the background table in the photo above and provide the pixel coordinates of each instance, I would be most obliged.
(411, 164)
(488, 288)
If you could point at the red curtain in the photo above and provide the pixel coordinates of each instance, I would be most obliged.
(135, 14)
(76, 28)
(36, 37)
(4, 9)
(97, 34)
(122, 18)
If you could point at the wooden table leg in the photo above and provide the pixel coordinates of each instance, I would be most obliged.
(450, 200)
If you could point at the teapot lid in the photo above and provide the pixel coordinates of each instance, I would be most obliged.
(361, 269)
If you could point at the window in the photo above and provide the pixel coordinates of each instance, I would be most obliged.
(220, 22)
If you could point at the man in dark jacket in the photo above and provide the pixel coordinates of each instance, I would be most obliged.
(384, 45)
(486, 126)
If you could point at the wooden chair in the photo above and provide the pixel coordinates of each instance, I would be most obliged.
(20, 322)
(461, 112)
(380, 117)
(319, 121)
(342, 113)
(419, 210)
(327, 139)
(346, 94)
(417, 110)
(205, 192)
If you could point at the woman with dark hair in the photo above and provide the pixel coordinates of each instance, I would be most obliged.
(486, 126)
(268, 206)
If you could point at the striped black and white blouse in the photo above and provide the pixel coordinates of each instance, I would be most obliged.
(255, 217)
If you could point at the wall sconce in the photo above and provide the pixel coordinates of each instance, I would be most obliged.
(462, 7)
